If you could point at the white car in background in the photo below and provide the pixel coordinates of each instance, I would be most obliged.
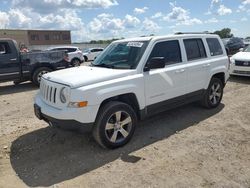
(91, 53)
(240, 63)
(75, 55)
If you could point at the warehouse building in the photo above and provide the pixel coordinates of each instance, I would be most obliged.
(37, 37)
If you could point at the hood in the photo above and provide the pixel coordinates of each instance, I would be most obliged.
(85, 53)
(85, 75)
(242, 56)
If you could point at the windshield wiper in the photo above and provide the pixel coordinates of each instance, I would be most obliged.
(103, 65)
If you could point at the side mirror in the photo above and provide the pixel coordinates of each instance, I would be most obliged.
(241, 49)
(155, 63)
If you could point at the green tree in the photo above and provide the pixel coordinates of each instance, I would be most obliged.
(224, 33)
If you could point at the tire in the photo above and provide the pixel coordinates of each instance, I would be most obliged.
(214, 93)
(36, 77)
(85, 58)
(75, 62)
(16, 82)
(110, 132)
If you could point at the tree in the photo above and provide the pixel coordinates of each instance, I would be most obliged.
(224, 33)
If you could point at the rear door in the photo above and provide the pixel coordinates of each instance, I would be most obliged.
(9, 62)
(198, 65)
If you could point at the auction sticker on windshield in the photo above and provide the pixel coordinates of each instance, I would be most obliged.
(135, 44)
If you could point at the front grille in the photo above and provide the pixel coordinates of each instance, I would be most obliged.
(48, 92)
(241, 72)
(242, 63)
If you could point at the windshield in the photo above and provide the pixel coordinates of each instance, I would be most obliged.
(86, 50)
(124, 55)
(247, 49)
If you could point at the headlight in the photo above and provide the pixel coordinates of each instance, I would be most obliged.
(64, 94)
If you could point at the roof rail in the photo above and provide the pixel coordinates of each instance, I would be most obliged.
(205, 32)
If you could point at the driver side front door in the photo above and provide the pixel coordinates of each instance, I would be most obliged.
(165, 85)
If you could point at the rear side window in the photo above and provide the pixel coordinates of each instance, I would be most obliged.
(214, 46)
(170, 50)
(195, 49)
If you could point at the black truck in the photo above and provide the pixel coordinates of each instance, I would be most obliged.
(19, 67)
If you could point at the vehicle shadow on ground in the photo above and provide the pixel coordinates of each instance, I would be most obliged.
(11, 88)
(49, 156)
(239, 79)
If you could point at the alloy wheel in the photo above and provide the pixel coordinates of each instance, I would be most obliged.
(215, 93)
(118, 126)
(39, 76)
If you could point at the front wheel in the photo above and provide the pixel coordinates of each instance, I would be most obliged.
(37, 75)
(214, 93)
(115, 125)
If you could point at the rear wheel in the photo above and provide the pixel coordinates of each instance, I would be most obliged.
(214, 93)
(76, 62)
(37, 75)
(115, 125)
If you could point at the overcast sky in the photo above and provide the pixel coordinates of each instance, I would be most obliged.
(105, 19)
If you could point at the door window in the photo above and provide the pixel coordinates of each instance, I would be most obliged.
(195, 49)
(170, 50)
(4, 48)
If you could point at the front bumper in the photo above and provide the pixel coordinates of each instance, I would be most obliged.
(239, 70)
(78, 116)
(66, 124)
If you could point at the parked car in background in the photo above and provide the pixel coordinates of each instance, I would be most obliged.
(233, 45)
(247, 42)
(75, 55)
(240, 63)
(19, 67)
(91, 53)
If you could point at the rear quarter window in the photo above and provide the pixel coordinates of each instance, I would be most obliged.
(214, 46)
(71, 49)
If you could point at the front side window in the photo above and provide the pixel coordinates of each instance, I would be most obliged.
(122, 55)
(4, 48)
(194, 49)
(169, 50)
(214, 46)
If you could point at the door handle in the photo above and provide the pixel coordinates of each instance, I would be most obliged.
(14, 59)
(206, 65)
(180, 71)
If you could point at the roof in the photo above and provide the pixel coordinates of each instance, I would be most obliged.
(167, 37)
(62, 47)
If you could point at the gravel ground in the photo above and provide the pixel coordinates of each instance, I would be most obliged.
(184, 147)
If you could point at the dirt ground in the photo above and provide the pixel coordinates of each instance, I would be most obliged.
(185, 147)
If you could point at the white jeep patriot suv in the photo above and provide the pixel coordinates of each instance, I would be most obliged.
(132, 79)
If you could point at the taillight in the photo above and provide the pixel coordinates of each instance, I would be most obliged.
(229, 62)
(66, 57)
